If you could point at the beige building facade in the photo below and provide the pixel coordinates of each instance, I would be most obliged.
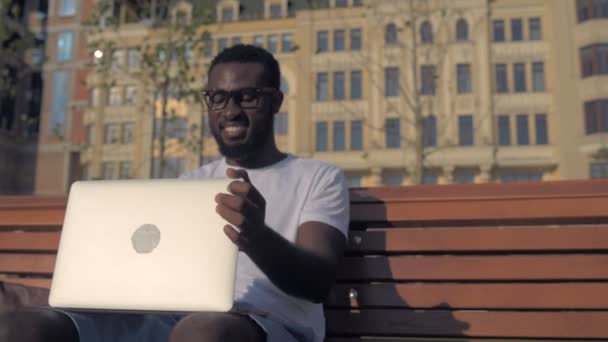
(508, 90)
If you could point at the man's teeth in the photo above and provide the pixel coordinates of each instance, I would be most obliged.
(234, 129)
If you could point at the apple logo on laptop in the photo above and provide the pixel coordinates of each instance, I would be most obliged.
(146, 238)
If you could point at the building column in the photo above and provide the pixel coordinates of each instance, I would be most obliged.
(448, 174)
(485, 176)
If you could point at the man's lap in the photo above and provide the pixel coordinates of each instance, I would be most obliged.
(122, 327)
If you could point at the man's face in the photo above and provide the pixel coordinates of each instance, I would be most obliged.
(241, 132)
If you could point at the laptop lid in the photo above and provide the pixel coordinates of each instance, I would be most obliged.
(144, 245)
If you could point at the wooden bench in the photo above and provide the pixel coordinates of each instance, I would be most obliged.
(427, 263)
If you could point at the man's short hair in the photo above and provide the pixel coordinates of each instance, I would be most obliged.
(244, 53)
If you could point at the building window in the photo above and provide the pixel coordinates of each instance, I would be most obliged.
(95, 97)
(535, 28)
(540, 122)
(427, 73)
(502, 85)
(392, 179)
(322, 41)
(339, 85)
(354, 181)
(339, 139)
(208, 48)
(115, 98)
(504, 130)
(519, 76)
(227, 14)
(276, 11)
(341, 3)
(321, 136)
(391, 81)
(118, 59)
(523, 130)
(538, 76)
(429, 131)
(281, 123)
(594, 60)
(598, 170)
(462, 30)
(465, 130)
(130, 95)
(355, 85)
(464, 177)
(390, 35)
(339, 43)
(499, 30)
(521, 176)
(322, 87)
(596, 116)
(128, 133)
(67, 8)
(356, 135)
(517, 33)
(463, 75)
(286, 42)
(591, 9)
(64, 46)
(426, 33)
(393, 132)
(222, 44)
(284, 87)
(134, 58)
(124, 170)
(90, 138)
(258, 40)
(59, 104)
(429, 178)
(107, 170)
(236, 41)
(355, 39)
(273, 41)
(111, 134)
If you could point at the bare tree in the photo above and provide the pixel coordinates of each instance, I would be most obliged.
(169, 60)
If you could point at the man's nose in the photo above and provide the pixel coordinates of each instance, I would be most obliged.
(232, 108)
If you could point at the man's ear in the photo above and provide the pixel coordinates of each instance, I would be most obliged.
(277, 101)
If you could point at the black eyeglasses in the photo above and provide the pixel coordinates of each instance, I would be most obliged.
(246, 98)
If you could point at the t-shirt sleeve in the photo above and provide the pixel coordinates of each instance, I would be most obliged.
(328, 201)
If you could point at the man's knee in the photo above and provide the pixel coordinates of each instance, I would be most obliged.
(36, 325)
(216, 327)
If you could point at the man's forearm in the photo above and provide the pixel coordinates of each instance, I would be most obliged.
(296, 271)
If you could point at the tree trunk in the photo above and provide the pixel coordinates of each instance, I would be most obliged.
(417, 169)
(162, 130)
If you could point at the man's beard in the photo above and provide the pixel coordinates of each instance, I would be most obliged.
(250, 147)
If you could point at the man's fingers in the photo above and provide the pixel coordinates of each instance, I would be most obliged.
(233, 217)
(248, 191)
(232, 234)
(238, 173)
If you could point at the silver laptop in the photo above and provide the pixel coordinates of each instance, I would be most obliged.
(144, 245)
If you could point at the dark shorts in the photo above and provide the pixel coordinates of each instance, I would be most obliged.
(119, 327)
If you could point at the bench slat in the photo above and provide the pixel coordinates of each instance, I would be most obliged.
(434, 339)
(513, 324)
(493, 267)
(33, 282)
(464, 192)
(27, 263)
(28, 241)
(526, 238)
(472, 296)
(479, 210)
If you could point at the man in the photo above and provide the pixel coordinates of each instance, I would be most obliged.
(288, 216)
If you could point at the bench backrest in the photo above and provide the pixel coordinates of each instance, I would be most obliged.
(453, 261)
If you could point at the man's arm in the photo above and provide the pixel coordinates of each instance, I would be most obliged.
(304, 269)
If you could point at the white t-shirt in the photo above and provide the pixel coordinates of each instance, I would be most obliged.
(296, 191)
